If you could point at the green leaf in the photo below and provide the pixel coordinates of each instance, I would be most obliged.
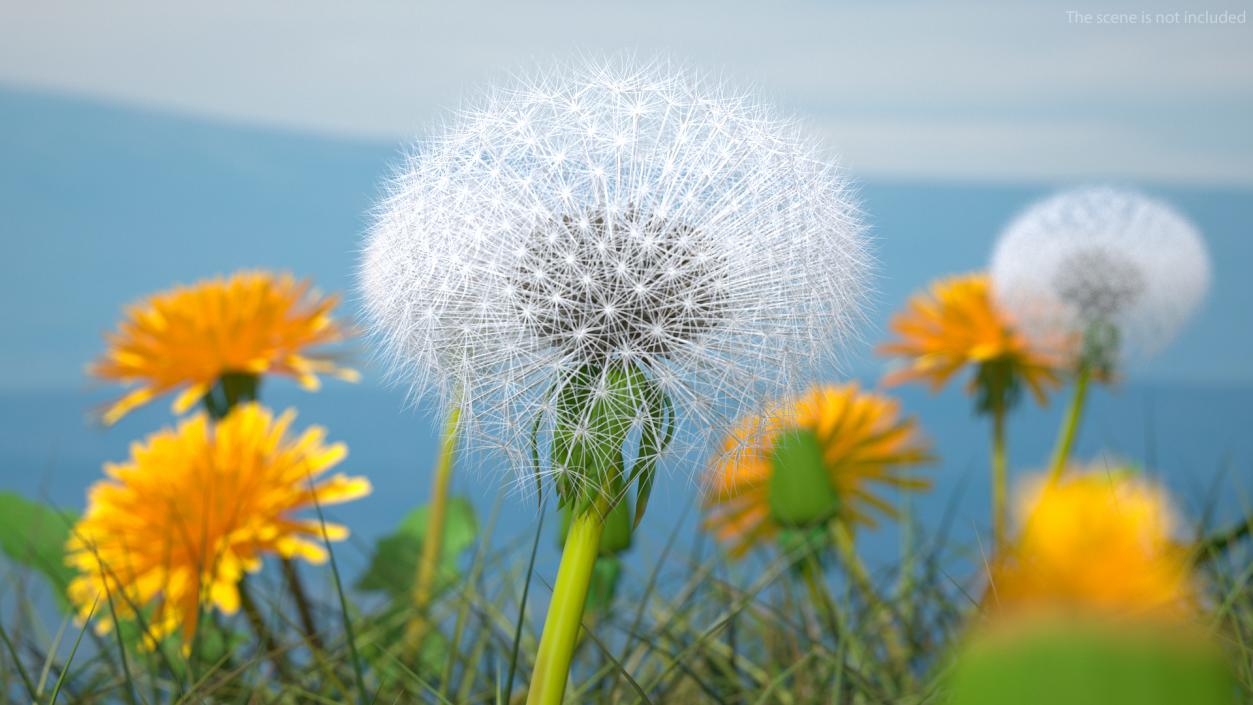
(383, 638)
(34, 535)
(395, 563)
(604, 585)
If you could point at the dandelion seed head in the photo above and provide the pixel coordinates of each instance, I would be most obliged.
(1102, 257)
(612, 216)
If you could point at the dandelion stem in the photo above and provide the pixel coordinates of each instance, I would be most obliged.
(846, 547)
(433, 541)
(268, 645)
(565, 610)
(1067, 437)
(1000, 476)
(1212, 546)
(820, 595)
(303, 609)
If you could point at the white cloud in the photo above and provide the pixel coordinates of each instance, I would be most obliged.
(972, 89)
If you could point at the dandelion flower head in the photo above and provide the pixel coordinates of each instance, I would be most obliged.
(252, 323)
(956, 324)
(177, 525)
(1096, 540)
(868, 449)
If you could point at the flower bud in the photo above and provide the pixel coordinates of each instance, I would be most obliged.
(800, 493)
(1046, 663)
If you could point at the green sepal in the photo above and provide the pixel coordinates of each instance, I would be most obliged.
(231, 389)
(652, 445)
(1102, 342)
(996, 386)
(800, 492)
(804, 545)
(589, 432)
(606, 573)
(616, 537)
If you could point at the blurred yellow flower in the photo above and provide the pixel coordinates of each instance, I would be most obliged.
(253, 323)
(865, 447)
(955, 324)
(1095, 540)
(177, 525)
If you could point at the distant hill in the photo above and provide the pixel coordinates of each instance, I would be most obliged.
(100, 204)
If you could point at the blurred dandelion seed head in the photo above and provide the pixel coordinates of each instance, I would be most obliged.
(612, 216)
(1098, 284)
(1099, 258)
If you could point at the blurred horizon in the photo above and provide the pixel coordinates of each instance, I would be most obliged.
(105, 203)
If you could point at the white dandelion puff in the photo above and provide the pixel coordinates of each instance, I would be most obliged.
(587, 257)
(1113, 268)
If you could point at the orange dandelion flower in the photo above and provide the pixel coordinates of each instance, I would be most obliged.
(251, 324)
(955, 324)
(1095, 540)
(865, 445)
(176, 526)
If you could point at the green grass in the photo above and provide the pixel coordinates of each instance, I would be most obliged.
(691, 628)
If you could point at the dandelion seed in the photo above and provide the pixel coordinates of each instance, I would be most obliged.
(718, 252)
(698, 258)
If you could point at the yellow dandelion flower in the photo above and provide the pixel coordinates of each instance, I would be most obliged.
(866, 447)
(956, 324)
(1095, 540)
(176, 526)
(251, 324)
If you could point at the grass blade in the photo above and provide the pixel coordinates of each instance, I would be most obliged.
(357, 671)
(526, 591)
(17, 661)
(65, 670)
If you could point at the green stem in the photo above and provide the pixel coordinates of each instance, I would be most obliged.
(433, 541)
(1212, 546)
(819, 594)
(846, 547)
(1000, 476)
(303, 608)
(1067, 437)
(565, 610)
(269, 646)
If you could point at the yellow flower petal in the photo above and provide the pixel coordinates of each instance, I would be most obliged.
(244, 480)
(189, 337)
(865, 443)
